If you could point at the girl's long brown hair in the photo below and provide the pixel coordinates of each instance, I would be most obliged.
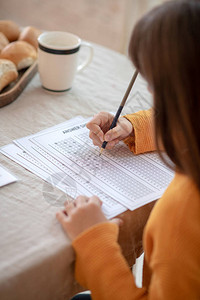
(165, 48)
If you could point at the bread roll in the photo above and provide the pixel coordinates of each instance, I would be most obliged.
(3, 41)
(10, 30)
(8, 72)
(30, 35)
(21, 53)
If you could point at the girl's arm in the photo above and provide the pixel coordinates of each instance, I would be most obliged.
(100, 265)
(142, 138)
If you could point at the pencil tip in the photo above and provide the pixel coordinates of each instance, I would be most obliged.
(101, 151)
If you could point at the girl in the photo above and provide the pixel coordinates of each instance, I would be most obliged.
(165, 48)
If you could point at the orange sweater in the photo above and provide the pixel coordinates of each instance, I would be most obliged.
(171, 244)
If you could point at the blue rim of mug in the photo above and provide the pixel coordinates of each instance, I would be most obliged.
(59, 51)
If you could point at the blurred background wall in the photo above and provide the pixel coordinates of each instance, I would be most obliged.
(106, 22)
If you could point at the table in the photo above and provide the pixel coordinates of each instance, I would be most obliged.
(36, 258)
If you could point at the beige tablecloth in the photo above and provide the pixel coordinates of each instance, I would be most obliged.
(36, 258)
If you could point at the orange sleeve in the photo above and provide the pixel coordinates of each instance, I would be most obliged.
(171, 244)
(143, 138)
(101, 267)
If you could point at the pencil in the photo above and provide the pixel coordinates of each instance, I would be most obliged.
(114, 122)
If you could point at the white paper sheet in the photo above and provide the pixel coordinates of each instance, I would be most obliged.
(132, 180)
(63, 179)
(6, 177)
(65, 157)
(35, 159)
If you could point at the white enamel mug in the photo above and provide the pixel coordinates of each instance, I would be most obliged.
(58, 59)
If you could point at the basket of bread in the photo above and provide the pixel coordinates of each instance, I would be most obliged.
(18, 59)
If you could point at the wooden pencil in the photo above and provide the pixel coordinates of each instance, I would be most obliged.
(114, 122)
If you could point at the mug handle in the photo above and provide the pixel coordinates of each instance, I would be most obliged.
(89, 58)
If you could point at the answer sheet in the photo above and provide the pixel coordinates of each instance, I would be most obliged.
(62, 178)
(65, 157)
(131, 180)
(35, 159)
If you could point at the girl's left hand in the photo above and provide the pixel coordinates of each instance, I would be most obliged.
(80, 215)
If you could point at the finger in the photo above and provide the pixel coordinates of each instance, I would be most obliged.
(96, 140)
(60, 216)
(97, 131)
(99, 119)
(111, 145)
(81, 200)
(70, 207)
(100, 123)
(113, 134)
(96, 200)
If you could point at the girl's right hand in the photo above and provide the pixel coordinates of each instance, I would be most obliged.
(99, 129)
